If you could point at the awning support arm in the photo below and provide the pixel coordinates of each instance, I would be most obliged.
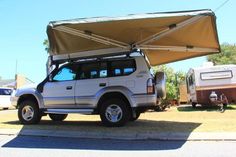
(172, 28)
(177, 48)
(94, 37)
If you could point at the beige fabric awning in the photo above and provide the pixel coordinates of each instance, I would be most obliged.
(163, 37)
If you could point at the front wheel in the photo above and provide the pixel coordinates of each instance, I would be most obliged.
(58, 117)
(114, 113)
(28, 112)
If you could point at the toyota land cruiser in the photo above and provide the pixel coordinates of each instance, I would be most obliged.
(118, 88)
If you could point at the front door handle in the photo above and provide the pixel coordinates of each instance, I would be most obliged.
(68, 87)
(102, 84)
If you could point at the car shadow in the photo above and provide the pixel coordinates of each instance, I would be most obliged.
(95, 128)
(189, 108)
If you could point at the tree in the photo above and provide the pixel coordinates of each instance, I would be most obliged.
(227, 55)
(46, 44)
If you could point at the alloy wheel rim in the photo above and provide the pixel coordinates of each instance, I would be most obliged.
(113, 113)
(27, 113)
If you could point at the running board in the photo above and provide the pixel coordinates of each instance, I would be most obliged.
(66, 111)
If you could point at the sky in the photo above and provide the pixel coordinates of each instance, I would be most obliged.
(23, 27)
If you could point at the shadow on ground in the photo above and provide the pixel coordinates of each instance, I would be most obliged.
(140, 127)
(189, 108)
(91, 144)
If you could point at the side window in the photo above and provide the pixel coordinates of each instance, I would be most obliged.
(103, 73)
(116, 72)
(120, 68)
(128, 71)
(93, 70)
(65, 74)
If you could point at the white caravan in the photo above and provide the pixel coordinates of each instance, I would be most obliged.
(202, 81)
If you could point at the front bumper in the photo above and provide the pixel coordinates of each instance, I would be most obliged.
(14, 101)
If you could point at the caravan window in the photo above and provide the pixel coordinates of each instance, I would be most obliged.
(216, 75)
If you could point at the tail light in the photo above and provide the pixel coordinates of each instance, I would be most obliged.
(150, 86)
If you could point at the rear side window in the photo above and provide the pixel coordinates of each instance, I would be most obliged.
(122, 67)
(93, 70)
(5, 91)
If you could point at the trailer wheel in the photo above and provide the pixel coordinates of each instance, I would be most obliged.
(225, 105)
(194, 104)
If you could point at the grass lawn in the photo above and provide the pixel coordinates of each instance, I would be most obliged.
(175, 119)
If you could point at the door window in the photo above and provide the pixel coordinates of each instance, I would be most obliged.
(65, 74)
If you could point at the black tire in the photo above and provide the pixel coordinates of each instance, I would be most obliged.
(33, 117)
(58, 117)
(5, 108)
(134, 118)
(115, 105)
(194, 104)
(225, 105)
(158, 108)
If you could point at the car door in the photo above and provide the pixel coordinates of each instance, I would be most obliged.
(92, 78)
(5, 95)
(60, 91)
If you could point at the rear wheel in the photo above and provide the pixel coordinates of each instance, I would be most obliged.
(28, 112)
(58, 117)
(114, 113)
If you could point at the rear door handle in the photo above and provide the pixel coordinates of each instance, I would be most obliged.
(102, 84)
(68, 87)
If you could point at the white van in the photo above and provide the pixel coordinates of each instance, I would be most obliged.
(202, 81)
(5, 95)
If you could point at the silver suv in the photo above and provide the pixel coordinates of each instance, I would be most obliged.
(118, 88)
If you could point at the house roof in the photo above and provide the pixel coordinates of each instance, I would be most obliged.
(7, 82)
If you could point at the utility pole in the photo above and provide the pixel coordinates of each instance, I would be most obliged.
(16, 67)
(16, 74)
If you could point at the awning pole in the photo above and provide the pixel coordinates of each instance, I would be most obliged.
(177, 48)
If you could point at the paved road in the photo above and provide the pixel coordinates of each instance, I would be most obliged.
(12, 146)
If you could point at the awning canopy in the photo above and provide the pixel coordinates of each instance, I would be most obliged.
(163, 37)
